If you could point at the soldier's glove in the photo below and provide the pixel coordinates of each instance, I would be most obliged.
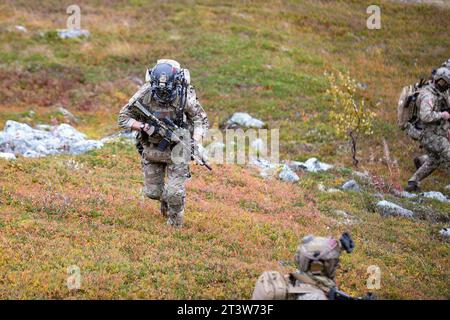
(148, 129)
(445, 115)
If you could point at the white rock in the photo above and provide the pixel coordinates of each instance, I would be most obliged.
(322, 188)
(266, 168)
(7, 156)
(310, 165)
(387, 208)
(406, 194)
(351, 185)
(445, 232)
(244, 120)
(67, 132)
(20, 138)
(288, 175)
(21, 28)
(73, 33)
(436, 196)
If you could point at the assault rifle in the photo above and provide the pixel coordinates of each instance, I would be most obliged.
(167, 129)
(335, 294)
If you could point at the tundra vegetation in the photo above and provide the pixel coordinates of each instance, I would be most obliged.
(265, 58)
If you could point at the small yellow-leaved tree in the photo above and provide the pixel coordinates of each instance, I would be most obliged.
(348, 115)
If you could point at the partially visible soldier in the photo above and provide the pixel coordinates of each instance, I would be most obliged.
(168, 95)
(431, 127)
(317, 259)
(418, 161)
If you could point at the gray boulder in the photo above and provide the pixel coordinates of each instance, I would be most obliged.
(386, 208)
(351, 185)
(7, 156)
(20, 138)
(288, 175)
(406, 194)
(310, 165)
(445, 232)
(436, 196)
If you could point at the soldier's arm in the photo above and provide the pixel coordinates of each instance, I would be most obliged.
(128, 115)
(427, 111)
(125, 119)
(197, 114)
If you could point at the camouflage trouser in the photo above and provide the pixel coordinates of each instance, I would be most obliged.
(172, 193)
(438, 153)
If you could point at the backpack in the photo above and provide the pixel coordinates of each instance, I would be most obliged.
(271, 285)
(407, 110)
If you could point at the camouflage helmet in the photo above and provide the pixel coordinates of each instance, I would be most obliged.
(441, 78)
(320, 256)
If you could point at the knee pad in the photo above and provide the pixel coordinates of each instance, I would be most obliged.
(153, 192)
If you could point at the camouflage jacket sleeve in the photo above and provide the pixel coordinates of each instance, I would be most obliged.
(428, 106)
(196, 114)
(129, 114)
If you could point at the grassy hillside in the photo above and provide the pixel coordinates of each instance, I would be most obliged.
(266, 59)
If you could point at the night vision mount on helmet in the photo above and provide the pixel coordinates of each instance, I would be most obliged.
(441, 78)
(169, 81)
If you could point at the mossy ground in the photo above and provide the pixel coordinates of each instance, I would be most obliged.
(267, 59)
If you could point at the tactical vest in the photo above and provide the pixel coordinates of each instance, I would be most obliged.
(442, 104)
(162, 111)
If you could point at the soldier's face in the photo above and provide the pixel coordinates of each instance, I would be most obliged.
(316, 267)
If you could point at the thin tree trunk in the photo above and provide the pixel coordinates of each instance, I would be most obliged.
(353, 139)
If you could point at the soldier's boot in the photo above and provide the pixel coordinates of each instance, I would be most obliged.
(412, 187)
(175, 200)
(430, 164)
(175, 219)
(419, 161)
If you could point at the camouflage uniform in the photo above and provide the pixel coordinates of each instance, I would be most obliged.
(433, 133)
(317, 259)
(157, 164)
